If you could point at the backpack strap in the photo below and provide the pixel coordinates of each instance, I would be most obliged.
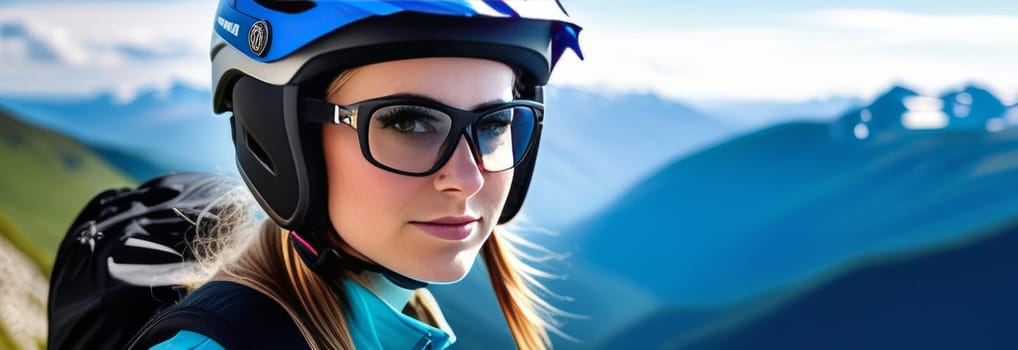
(235, 316)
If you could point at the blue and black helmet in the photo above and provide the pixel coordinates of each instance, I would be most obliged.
(266, 54)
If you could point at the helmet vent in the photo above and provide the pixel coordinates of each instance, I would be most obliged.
(259, 153)
(288, 6)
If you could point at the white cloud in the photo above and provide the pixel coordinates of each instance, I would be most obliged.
(16, 41)
(74, 49)
(803, 55)
(989, 30)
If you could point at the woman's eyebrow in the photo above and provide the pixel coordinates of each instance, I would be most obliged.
(483, 105)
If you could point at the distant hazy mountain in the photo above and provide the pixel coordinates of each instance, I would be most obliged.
(882, 116)
(972, 108)
(595, 146)
(901, 112)
(959, 296)
(174, 127)
(748, 115)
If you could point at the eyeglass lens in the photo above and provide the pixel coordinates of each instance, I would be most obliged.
(413, 138)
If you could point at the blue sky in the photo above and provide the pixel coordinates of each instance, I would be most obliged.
(691, 50)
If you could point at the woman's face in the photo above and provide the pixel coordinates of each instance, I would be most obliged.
(429, 228)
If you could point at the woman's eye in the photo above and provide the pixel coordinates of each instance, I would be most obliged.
(407, 121)
(409, 125)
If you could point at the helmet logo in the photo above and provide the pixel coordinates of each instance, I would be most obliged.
(258, 37)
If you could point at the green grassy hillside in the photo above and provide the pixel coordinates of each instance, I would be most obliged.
(46, 178)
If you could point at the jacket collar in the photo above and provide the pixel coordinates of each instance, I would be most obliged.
(376, 325)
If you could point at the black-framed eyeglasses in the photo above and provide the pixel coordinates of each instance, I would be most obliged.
(416, 136)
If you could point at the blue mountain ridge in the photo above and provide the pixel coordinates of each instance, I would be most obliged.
(958, 296)
(971, 108)
(772, 208)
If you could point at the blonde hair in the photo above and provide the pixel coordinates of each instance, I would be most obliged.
(235, 245)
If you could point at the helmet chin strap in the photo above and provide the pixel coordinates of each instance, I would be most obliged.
(330, 262)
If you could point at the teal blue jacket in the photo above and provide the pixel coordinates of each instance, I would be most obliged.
(373, 325)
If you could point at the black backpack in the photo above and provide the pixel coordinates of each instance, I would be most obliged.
(119, 267)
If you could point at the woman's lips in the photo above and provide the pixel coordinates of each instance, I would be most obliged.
(448, 228)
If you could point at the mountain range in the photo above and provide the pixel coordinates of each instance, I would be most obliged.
(723, 235)
(903, 112)
(813, 200)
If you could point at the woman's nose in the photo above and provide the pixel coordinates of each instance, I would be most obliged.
(461, 173)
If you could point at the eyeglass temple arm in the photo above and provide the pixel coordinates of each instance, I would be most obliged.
(321, 112)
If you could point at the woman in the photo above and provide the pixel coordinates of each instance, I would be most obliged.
(385, 141)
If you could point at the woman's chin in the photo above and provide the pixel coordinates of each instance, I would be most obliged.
(448, 274)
